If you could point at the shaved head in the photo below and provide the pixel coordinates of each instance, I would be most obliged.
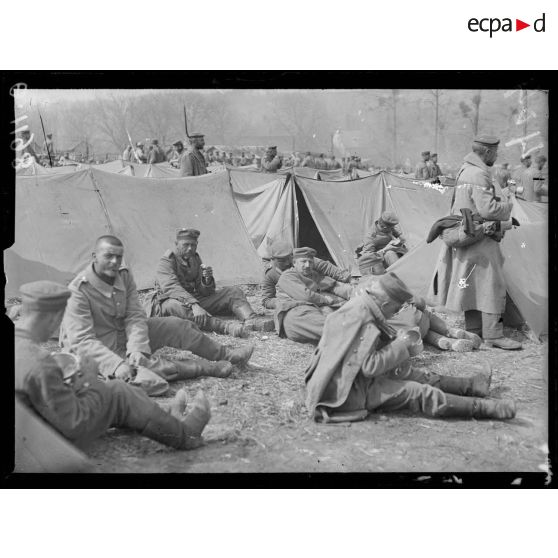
(108, 239)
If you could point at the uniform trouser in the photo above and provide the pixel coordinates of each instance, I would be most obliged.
(221, 302)
(117, 404)
(304, 324)
(488, 326)
(405, 387)
(179, 334)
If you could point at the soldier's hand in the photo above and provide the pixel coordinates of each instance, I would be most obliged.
(200, 315)
(207, 272)
(419, 303)
(137, 359)
(328, 299)
(124, 372)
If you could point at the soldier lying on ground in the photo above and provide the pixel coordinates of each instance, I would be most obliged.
(433, 329)
(305, 297)
(85, 410)
(282, 259)
(104, 318)
(186, 288)
(362, 365)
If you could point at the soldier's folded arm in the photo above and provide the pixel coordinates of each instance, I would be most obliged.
(326, 268)
(135, 320)
(56, 402)
(78, 327)
(170, 285)
(371, 243)
(488, 206)
(387, 358)
(298, 291)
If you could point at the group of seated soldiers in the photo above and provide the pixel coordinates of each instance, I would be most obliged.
(366, 334)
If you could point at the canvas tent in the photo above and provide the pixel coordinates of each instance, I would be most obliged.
(239, 213)
(333, 216)
(60, 216)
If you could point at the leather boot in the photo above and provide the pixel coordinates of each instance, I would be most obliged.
(225, 327)
(475, 386)
(239, 356)
(504, 343)
(252, 322)
(469, 407)
(458, 333)
(187, 369)
(178, 433)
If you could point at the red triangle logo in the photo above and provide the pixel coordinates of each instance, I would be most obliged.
(519, 25)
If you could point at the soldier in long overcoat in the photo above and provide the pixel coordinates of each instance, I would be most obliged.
(471, 278)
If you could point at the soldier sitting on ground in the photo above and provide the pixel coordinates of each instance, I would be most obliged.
(104, 319)
(362, 365)
(282, 259)
(384, 239)
(185, 288)
(82, 407)
(305, 297)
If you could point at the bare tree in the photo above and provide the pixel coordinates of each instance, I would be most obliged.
(472, 111)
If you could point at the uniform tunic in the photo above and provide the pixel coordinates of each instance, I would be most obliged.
(192, 163)
(180, 281)
(272, 274)
(84, 412)
(156, 155)
(301, 308)
(421, 171)
(271, 164)
(355, 366)
(472, 277)
(108, 323)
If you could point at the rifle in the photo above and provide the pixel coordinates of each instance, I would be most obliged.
(185, 122)
(132, 146)
(44, 135)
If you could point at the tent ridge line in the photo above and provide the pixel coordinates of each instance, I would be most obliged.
(101, 200)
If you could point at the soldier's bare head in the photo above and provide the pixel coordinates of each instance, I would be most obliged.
(107, 257)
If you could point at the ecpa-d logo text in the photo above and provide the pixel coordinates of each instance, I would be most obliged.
(495, 24)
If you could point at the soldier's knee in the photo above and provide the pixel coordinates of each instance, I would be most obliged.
(118, 389)
(234, 292)
(172, 307)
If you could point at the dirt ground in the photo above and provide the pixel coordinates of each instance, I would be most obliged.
(259, 422)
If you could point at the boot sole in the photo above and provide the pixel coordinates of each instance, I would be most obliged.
(496, 346)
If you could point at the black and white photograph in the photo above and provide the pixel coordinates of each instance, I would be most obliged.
(262, 279)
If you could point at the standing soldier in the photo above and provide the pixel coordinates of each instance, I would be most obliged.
(139, 153)
(156, 155)
(470, 278)
(177, 154)
(308, 160)
(271, 161)
(502, 175)
(433, 168)
(422, 172)
(192, 163)
(243, 162)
